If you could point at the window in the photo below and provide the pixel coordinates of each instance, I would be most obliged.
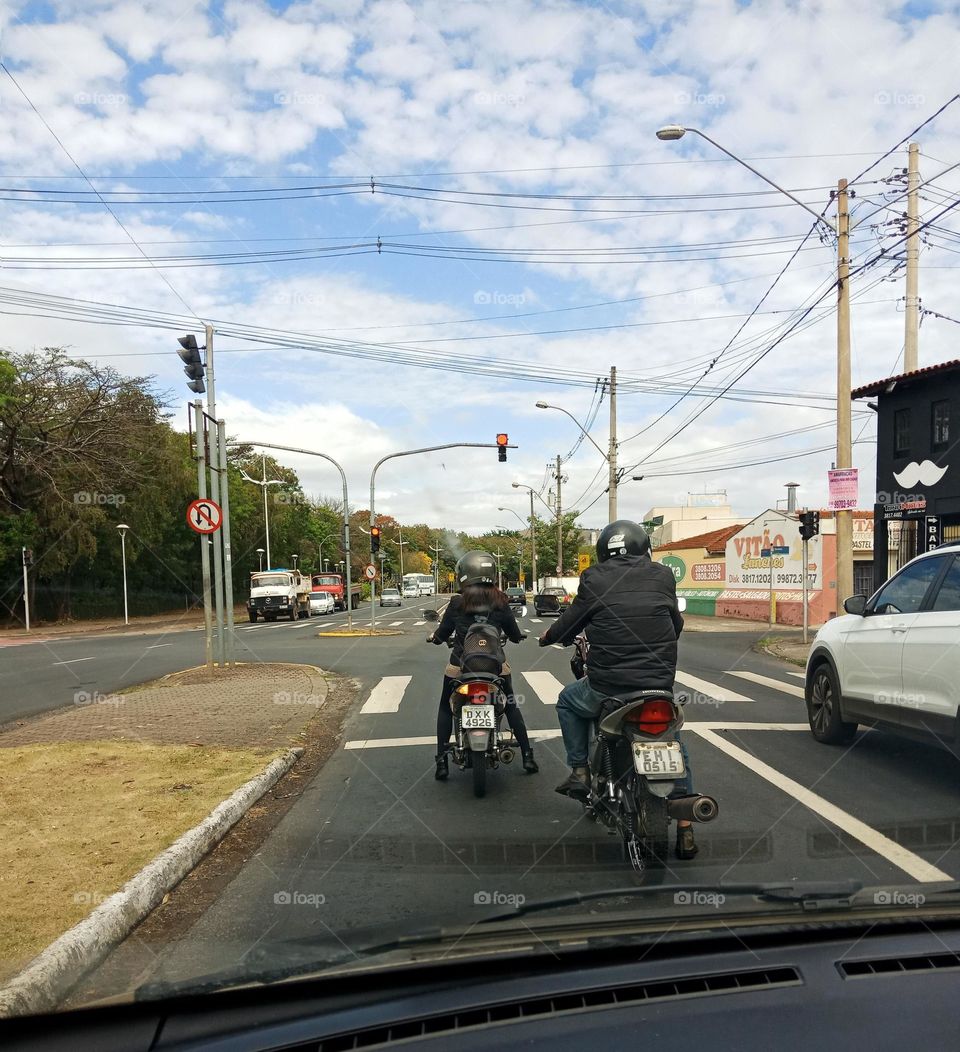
(948, 597)
(940, 424)
(901, 432)
(905, 593)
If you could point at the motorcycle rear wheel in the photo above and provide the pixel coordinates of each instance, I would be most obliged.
(654, 826)
(479, 763)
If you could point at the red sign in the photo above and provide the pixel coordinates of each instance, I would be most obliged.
(204, 516)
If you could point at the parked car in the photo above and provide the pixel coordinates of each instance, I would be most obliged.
(390, 597)
(892, 661)
(322, 603)
(551, 600)
(517, 598)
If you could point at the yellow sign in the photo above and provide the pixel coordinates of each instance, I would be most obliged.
(523, 579)
(583, 562)
(449, 576)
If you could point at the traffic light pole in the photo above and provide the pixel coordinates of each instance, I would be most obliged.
(806, 613)
(204, 540)
(26, 589)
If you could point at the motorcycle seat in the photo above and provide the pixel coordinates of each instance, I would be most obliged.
(611, 704)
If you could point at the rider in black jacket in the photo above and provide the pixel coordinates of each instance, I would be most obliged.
(628, 606)
(479, 599)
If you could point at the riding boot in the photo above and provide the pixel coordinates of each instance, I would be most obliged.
(530, 765)
(443, 767)
(686, 845)
(577, 786)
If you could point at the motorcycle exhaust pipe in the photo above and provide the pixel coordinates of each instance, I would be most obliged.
(693, 808)
(506, 755)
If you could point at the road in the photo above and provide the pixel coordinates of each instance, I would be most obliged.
(374, 840)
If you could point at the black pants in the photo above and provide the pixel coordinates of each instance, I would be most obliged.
(513, 714)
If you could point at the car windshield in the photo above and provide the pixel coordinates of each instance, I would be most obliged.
(370, 298)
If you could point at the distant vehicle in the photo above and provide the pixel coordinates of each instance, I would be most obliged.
(322, 603)
(410, 590)
(390, 597)
(278, 593)
(335, 584)
(423, 581)
(517, 598)
(551, 600)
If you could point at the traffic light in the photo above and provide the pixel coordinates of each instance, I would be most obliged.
(375, 532)
(502, 441)
(28, 557)
(809, 524)
(190, 355)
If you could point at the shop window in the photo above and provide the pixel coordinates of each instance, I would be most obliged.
(940, 424)
(901, 432)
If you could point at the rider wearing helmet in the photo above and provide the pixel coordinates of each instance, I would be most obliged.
(628, 606)
(479, 599)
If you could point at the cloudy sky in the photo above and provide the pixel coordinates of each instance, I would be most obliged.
(409, 222)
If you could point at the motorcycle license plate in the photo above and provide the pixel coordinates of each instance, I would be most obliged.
(658, 759)
(477, 718)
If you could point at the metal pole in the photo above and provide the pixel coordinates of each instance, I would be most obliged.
(227, 550)
(204, 545)
(559, 525)
(498, 555)
(912, 312)
(773, 616)
(215, 540)
(123, 556)
(266, 514)
(533, 545)
(612, 455)
(844, 419)
(26, 589)
(806, 617)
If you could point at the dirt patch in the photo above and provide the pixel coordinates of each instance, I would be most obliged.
(187, 903)
(79, 819)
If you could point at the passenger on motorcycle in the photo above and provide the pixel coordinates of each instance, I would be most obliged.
(628, 606)
(479, 600)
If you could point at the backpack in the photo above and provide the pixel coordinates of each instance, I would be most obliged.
(482, 650)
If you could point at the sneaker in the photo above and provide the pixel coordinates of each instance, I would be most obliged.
(443, 767)
(577, 786)
(686, 845)
(530, 765)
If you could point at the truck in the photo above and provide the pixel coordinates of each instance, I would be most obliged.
(336, 584)
(278, 593)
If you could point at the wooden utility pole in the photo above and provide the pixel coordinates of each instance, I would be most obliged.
(559, 522)
(612, 454)
(844, 420)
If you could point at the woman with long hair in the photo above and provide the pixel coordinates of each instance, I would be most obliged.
(479, 599)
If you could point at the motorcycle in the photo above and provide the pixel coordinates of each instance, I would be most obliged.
(636, 764)
(478, 703)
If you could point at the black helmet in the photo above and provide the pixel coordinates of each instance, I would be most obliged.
(622, 537)
(476, 568)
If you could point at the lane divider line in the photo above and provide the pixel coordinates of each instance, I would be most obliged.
(545, 685)
(387, 694)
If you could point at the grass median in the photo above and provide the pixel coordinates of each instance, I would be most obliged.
(79, 819)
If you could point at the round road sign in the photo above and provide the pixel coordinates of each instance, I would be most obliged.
(204, 516)
(370, 571)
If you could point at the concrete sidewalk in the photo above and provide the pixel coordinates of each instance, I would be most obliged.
(257, 705)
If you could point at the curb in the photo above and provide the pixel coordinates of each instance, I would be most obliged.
(54, 971)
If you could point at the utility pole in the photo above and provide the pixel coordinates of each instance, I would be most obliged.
(26, 589)
(227, 548)
(912, 312)
(436, 549)
(497, 555)
(844, 420)
(533, 545)
(400, 545)
(559, 522)
(612, 454)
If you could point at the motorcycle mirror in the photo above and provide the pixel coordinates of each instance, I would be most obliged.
(681, 604)
(431, 615)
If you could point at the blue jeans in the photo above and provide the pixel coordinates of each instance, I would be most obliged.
(577, 708)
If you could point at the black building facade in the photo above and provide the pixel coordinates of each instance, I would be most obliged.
(918, 461)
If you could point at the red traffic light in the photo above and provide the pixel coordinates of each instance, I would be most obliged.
(502, 440)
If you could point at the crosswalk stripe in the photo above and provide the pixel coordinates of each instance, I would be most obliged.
(419, 622)
(387, 694)
(798, 675)
(393, 624)
(536, 620)
(545, 684)
(712, 690)
(766, 681)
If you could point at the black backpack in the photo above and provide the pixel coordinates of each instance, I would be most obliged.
(482, 650)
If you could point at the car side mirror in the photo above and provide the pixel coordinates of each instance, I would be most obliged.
(681, 604)
(856, 604)
(431, 615)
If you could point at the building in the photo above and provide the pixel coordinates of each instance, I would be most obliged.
(917, 496)
(678, 523)
(699, 565)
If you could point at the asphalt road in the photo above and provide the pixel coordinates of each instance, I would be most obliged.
(374, 840)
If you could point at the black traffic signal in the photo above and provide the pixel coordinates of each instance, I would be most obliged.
(190, 355)
(375, 532)
(28, 557)
(502, 441)
(809, 524)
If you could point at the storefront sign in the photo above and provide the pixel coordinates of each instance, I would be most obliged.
(747, 566)
(709, 571)
(677, 566)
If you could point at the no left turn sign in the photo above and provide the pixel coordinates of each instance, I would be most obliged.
(204, 516)
(370, 571)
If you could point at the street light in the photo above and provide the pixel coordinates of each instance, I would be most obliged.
(260, 553)
(294, 557)
(841, 228)
(123, 527)
(263, 483)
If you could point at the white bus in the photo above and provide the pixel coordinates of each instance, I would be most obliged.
(423, 582)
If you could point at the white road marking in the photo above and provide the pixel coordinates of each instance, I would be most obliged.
(733, 725)
(798, 675)
(73, 661)
(913, 865)
(397, 743)
(387, 694)
(712, 690)
(537, 620)
(556, 646)
(766, 681)
(393, 624)
(419, 622)
(156, 646)
(545, 684)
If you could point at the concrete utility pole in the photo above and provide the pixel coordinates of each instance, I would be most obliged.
(612, 455)
(498, 555)
(559, 521)
(436, 549)
(844, 411)
(204, 540)
(912, 312)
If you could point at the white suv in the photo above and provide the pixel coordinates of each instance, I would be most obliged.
(892, 661)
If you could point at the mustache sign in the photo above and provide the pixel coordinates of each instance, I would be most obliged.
(927, 473)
